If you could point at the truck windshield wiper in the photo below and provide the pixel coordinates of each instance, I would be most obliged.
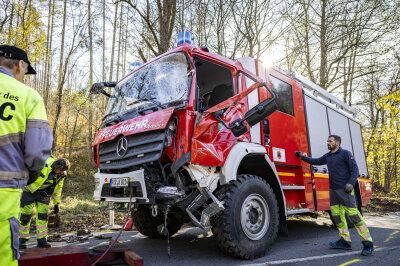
(174, 102)
(146, 100)
(110, 114)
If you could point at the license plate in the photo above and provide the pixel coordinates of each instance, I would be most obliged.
(119, 182)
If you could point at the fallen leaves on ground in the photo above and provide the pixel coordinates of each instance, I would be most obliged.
(89, 221)
(383, 204)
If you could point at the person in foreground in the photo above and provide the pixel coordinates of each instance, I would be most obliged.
(343, 173)
(37, 194)
(25, 143)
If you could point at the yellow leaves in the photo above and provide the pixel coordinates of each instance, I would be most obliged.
(26, 31)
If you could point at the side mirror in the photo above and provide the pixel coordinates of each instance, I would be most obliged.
(255, 114)
(98, 88)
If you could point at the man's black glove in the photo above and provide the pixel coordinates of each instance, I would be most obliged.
(56, 208)
(348, 188)
(297, 153)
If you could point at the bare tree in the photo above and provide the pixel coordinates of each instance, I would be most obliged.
(159, 23)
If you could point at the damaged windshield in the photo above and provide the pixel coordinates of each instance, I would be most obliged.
(158, 83)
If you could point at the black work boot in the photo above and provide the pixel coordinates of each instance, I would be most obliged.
(368, 248)
(42, 243)
(22, 243)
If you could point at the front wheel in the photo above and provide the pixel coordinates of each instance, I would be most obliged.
(248, 225)
(149, 225)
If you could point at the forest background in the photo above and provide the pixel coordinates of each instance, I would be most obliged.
(349, 48)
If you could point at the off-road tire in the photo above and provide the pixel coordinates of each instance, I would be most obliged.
(148, 225)
(227, 227)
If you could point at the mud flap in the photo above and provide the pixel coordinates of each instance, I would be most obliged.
(14, 228)
(283, 228)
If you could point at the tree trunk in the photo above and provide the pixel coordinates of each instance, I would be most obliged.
(119, 44)
(10, 27)
(324, 55)
(50, 55)
(113, 42)
(90, 135)
(60, 79)
(47, 59)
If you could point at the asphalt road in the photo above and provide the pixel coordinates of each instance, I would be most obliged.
(307, 244)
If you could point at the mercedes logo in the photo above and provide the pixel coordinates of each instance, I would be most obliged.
(122, 146)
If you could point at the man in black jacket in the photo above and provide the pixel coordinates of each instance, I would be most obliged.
(343, 173)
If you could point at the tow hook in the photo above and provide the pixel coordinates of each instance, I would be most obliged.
(154, 210)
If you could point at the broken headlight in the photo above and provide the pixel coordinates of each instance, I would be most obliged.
(169, 134)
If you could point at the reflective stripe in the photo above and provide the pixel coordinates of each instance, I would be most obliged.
(57, 191)
(23, 235)
(30, 188)
(366, 236)
(362, 228)
(41, 227)
(45, 186)
(23, 229)
(44, 233)
(57, 197)
(343, 230)
(286, 174)
(12, 137)
(37, 123)
(9, 176)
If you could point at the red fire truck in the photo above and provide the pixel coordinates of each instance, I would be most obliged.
(192, 136)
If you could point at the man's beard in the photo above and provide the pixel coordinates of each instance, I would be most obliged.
(331, 148)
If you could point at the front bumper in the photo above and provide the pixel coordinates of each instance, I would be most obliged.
(136, 186)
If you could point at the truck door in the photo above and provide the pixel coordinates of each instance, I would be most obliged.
(215, 83)
(283, 133)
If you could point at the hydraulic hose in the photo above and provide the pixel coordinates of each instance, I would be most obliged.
(120, 231)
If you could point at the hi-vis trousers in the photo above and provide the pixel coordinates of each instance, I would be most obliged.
(9, 207)
(28, 200)
(343, 203)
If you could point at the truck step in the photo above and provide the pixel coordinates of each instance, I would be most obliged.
(297, 211)
(293, 187)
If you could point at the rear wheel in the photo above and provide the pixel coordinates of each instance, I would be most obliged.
(248, 225)
(149, 225)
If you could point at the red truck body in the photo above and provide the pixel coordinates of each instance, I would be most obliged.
(211, 154)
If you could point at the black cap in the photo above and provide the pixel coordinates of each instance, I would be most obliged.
(13, 52)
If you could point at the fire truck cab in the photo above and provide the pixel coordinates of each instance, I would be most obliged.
(192, 136)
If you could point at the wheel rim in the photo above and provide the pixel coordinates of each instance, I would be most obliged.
(254, 216)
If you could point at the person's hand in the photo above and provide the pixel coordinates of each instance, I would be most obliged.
(298, 154)
(56, 208)
(348, 188)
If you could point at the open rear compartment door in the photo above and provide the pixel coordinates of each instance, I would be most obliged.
(324, 119)
(318, 132)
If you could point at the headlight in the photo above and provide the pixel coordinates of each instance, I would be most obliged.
(96, 184)
(169, 134)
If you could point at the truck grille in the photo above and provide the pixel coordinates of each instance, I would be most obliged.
(142, 148)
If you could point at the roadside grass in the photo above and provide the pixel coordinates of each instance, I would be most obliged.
(77, 206)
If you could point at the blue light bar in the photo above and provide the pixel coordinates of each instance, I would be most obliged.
(184, 37)
(135, 65)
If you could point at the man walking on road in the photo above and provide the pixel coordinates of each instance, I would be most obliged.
(343, 173)
(25, 143)
(37, 194)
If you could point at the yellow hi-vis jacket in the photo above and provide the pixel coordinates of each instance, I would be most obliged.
(48, 182)
(25, 135)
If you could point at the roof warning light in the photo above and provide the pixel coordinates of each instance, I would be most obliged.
(134, 65)
(184, 37)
